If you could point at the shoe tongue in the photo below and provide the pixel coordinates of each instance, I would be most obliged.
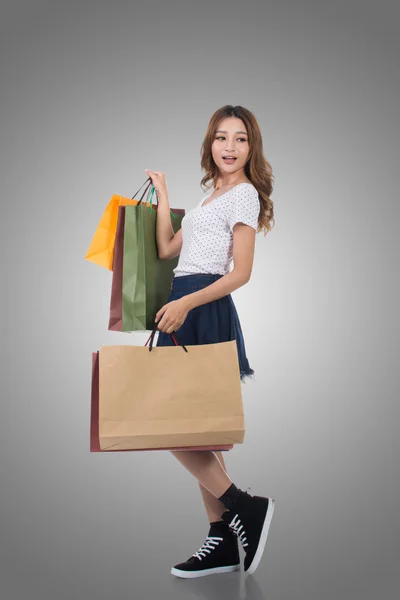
(218, 528)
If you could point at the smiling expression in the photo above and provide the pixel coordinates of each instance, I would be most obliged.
(230, 140)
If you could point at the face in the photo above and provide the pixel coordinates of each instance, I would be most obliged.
(230, 140)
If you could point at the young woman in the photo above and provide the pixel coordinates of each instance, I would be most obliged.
(221, 228)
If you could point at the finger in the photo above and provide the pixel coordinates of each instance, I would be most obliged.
(160, 313)
(161, 322)
(164, 323)
(175, 327)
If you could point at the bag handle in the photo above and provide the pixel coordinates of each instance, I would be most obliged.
(173, 335)
(150, 194)
(149, 184)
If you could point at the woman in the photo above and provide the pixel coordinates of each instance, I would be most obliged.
(221, 228)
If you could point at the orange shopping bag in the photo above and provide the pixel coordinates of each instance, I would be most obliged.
(101, 249)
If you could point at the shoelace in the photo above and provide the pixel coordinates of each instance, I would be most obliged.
(210, 544)
(236, 526)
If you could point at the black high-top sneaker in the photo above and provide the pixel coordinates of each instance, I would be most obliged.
(218, 554)
(249, 518)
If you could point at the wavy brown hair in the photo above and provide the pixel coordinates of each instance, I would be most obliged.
(257, 169)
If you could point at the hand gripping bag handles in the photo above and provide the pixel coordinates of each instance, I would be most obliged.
(167, 397)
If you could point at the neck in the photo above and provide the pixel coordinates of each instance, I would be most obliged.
(228, 179)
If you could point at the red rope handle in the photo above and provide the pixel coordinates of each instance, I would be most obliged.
(172, 336)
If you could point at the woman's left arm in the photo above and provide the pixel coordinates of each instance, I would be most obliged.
(172, 315)
(244, 237)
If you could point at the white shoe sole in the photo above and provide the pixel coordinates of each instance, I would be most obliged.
(204, 572)
(263, 537)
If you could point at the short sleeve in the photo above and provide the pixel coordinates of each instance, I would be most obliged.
(243, 206)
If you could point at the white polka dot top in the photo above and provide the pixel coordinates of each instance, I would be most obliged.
(207, 231)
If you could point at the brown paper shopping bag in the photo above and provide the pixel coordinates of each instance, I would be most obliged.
(169, 396)
(94, 420)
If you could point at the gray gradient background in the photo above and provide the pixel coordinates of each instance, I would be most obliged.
(92, 93)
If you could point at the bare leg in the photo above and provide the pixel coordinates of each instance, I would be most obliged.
(214, 507)
(206, 468)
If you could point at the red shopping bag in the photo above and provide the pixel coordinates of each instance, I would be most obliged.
(115, 321)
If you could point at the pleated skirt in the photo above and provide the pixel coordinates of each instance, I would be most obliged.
(213, 322)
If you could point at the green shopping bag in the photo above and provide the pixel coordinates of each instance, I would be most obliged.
(146, 279)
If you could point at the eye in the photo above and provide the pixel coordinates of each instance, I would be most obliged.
(222, 137)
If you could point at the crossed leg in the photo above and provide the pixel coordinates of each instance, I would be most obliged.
(209, 469)
(214, 507)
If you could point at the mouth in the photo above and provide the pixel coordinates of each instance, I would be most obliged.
(229, 159)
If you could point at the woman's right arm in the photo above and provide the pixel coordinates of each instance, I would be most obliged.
(169, 244)
(175, 246)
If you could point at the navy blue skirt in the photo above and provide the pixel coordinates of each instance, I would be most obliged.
(216, 321)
